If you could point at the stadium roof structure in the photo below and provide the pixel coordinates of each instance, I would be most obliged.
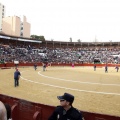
(60, 43)
(27, 40)
(83, 43)
(4, 36)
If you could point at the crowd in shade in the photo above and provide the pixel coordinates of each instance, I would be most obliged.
(25, 54)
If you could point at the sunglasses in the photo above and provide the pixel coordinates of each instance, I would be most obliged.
(62, 100)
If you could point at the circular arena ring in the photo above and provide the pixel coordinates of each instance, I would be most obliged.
(94, 91)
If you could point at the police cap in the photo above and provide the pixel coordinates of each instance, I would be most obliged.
(68, 97)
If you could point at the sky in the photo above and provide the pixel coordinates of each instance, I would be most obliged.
(60, 20)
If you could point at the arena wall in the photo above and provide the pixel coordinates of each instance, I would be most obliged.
(8, 65)
(26, 110)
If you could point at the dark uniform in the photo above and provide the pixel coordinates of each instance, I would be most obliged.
(106, 68)
(35, 66)
(61, 114)
(66, 111)
(117, 68)
(44, 66)
(94, 67)
(8, 109)
(16, 77)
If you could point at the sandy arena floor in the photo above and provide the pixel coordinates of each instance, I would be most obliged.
(94, 91)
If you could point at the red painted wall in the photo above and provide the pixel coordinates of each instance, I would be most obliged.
(26, 110)
(55, 64)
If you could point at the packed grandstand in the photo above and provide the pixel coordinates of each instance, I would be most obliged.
(12, 49)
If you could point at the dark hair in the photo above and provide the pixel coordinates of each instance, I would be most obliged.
(8, 109)
(70, 103)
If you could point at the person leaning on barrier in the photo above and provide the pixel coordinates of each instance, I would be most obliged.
(3, 112)
(66, 111)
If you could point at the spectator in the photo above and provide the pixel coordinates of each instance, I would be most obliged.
(3, 113)
(8, 109)
(66, 111)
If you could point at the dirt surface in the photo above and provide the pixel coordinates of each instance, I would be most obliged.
(94, 91)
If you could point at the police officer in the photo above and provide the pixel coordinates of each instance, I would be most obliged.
(66, 111)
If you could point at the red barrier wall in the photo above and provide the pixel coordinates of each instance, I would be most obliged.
(55, 64)
(26, 110)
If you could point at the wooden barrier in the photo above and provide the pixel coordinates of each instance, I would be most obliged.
(8, 65)
(26, 110)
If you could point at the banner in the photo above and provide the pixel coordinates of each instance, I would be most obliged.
(16, 62)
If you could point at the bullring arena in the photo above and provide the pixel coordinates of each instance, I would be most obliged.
(95, 91)
(97, 94)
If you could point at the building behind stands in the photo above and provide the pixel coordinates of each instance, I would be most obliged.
(2, 14)
(16, 26)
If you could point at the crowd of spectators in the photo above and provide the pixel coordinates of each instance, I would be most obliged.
(25, 54)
